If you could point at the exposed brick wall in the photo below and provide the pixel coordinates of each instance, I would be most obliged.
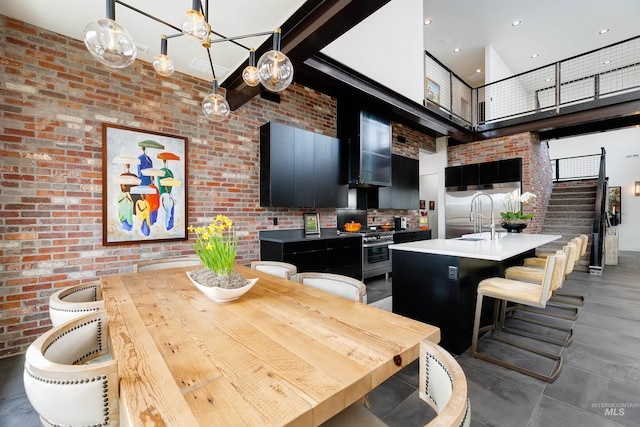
(536, 168)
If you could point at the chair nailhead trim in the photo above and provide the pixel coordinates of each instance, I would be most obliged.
(105, 395)
(431, 356)
(98, 349)
(93, 287)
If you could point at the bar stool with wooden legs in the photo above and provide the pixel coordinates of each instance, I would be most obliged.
(507, 290)
(536, 275)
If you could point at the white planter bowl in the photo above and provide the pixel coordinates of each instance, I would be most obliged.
(222, 294)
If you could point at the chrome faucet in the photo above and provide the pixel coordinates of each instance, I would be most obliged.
(477, 222)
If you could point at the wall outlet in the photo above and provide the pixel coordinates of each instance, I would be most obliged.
(453, 272)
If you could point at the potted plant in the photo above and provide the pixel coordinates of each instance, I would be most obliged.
(513, 218)
(216, 246)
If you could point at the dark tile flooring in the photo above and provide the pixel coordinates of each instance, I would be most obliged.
(599, 384)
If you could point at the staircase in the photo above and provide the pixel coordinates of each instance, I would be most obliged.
(571, 213)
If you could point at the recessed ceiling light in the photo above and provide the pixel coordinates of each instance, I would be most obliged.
(456, 50)
(607, 62)
(603, 31)
(516, 23)
(427, 22)
(548, 80)
(479, 70)
(535, 55)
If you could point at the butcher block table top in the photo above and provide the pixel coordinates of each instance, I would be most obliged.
(282, 354)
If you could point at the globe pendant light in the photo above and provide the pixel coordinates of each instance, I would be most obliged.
(250, 73)
(215, 106)
(275, 70)
(194, 24)
(161, 62)
(109, 42)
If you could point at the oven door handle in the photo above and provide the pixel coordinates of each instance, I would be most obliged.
(375, 245)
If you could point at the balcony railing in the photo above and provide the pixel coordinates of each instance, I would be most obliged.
(606, 72)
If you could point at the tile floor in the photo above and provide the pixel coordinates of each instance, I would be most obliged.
(599, 384)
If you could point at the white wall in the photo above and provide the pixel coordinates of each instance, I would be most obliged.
(622, 171)
(434, 164)
(387, 47)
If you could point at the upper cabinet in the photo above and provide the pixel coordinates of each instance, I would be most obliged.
(404, 192)
(368, 142)
(299, 168)
(508, 170)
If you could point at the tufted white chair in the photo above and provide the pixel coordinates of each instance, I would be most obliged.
(64, 390)
(162, 264)
(443, 385)
(275, 268)
(74, 301)
(337, 284)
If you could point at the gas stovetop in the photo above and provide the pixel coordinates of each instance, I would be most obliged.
(374, 235)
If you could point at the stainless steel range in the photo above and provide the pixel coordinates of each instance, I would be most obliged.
(376, 256)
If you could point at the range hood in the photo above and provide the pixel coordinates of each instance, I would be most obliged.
(367, 138)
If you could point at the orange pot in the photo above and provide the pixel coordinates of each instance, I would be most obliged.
(352, 226)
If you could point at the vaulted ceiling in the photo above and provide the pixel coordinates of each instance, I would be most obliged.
(554, 29)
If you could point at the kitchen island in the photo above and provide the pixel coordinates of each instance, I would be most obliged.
(435, 281)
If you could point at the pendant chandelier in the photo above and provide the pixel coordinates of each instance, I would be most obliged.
(112, 45)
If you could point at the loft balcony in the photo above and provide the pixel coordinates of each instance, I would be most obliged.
(594, 91)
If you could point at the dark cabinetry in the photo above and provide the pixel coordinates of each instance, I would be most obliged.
(509, 170)
(340, 256)
(404, 193)
(299, 168)
(411, 236)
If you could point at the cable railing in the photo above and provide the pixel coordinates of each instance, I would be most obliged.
(577, 167)
(606, 72)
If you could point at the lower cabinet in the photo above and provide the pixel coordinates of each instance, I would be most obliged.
(411, 236)
(338, 256)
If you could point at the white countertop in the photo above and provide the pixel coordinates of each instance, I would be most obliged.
(506, 246)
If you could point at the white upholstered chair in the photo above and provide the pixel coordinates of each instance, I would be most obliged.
(74, 301)
(61, 387)
(443, 385)
(275, 268)
(164, 263)
(337, 284)
(504, 290)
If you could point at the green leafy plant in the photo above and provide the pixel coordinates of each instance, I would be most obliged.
(216, 245)
(513, 206)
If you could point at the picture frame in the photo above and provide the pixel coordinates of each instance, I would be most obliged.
(144, 186)
(614, 208)
(432, 91)
(311, 223)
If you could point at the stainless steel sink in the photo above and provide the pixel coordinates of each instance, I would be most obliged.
(472, 239)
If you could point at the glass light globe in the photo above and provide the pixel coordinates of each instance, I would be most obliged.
(163, 65)
(275, 71)
(250, 76)
(215, 107)
(110, 43)
(194, 25)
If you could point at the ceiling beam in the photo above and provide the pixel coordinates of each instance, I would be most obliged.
(315, 25)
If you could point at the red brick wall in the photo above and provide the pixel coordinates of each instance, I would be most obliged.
(536, 168)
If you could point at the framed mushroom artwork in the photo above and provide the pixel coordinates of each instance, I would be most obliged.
(144, 191)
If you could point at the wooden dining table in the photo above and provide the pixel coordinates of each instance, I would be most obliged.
(282, 354)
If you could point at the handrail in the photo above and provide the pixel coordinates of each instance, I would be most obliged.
(596, 263)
